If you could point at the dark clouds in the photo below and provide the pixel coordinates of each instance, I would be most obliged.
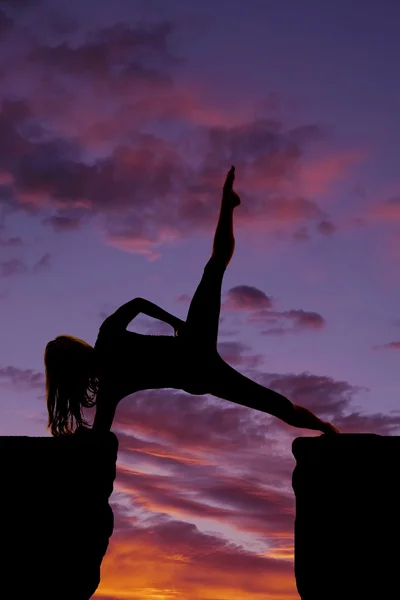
(268, 153)
(321, 394)
(83, 122)
(116, 54)
(332, 400)
(139, 179)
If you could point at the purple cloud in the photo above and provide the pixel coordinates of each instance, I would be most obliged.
(246, 297)
(22, 378)
(236, 354)
(299, 320)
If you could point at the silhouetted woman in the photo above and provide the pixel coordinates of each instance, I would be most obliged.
(123, 362)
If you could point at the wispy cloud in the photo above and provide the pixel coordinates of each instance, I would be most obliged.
(26, 379)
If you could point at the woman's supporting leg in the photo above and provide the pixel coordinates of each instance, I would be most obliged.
(228, 384)
(203, 316)
(106, 405)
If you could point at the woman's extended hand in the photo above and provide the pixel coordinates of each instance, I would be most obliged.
(304, 418)
(178, 326)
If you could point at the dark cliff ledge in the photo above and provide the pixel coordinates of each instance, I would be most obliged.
(347, 527)
(55, 516)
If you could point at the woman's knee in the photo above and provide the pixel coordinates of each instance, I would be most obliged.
(194, 383)
(196, 376)
(195, 389)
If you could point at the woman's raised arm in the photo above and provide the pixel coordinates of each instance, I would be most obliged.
(127, 312)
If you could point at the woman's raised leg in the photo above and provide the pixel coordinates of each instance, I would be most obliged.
(203, 316)
(228, 384)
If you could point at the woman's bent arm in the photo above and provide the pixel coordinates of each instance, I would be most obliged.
(154, 311)
(127, 312)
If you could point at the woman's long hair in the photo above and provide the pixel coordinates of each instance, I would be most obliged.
(71, 383)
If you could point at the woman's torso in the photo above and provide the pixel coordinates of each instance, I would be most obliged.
(130, 361)
(137, 361)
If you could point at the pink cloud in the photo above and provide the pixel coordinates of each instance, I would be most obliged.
(319, 176)
(387, 211)
(243, 505)
(149, 178)
(187, 420)
(246, 297)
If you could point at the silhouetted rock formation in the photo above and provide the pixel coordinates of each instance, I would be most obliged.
(347, 528)
(55, 516)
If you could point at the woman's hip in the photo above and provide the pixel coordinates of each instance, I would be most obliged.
(199, 367)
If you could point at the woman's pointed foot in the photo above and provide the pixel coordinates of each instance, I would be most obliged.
(229, 195)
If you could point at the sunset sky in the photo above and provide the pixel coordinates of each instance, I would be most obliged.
(118, 123)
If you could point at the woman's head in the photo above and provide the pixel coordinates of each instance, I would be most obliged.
(71, 382)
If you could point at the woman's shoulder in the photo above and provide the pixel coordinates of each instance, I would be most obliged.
(108, 329)
(112, 327)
